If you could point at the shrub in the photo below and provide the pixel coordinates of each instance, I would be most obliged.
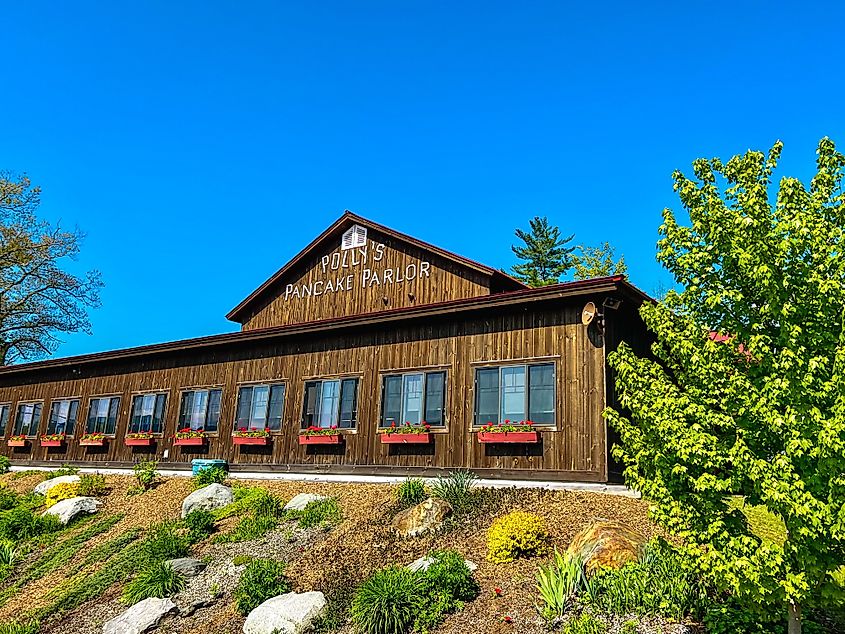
(164, 541)
(262, 579)
(60, 492)
(200, 524)
(8, 498)
(19, 524)
(558, 583)
(241, 560)
(325, 512)
(265, 504)
(457, 489)
(410, 493)
(584, 624)
(517, 534)
(209, 475)
(8, 553)
(249, 528)
(92, 484)
(64, 470)
(5, 464)
(156, 580)
(146, 473)
(389, 601)
(449, 574)
(16, 627)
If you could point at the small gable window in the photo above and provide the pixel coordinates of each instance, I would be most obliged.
(355, 236)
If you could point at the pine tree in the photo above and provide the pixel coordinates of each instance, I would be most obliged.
(546, 256)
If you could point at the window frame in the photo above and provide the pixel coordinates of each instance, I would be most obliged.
(135, 395)
(339, 379)
(5, 429)
(526, 364)
(40, 418)
(443, 427)
(78, 414)
(97, 397)
(269, 384)
(203, 388)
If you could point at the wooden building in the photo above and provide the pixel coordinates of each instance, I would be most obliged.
(364, 329)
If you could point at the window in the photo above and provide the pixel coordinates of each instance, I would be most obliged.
(28, 419)
(147, 413)
(516, 393)
(102, 415)
(4, 418)
(414, 398)
(261, 407)
(355, 236)
(63, 415)
(200, 409)
(330, 403)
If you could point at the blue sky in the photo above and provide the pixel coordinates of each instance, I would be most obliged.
(201, 144)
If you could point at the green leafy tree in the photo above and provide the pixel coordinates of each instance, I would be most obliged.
(758, 409)
(39, 299)
(545, 255)
(597, 261)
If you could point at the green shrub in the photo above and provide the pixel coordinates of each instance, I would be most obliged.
(265, 504)
(200, 524)
(64, 470)
(449, 574)
(92, 484)
(8, 553)
(146, 474)
(558, 583)
(16, 627)
(584, 624)
(19, 524)
(389, 602)
(325, 512)
(517, 534)
(458, 489)
(165, 541)
(241, 560)
(410, 493)
(262, 580)
(5, 464)
(8, 498)
(156, 580)
(249, 528)
(209, 475)
(629, 627)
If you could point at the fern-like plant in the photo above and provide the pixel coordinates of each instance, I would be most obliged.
(156, 580)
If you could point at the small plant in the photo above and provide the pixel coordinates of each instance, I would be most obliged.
(8, 498)
(243, 432)
(249, 528)
(5, 464)
(16, 627)
(200, 524)
(407, 428)
(410, 493)
(64, 470)
(8, 553)
(507, 426)
(318, 431)
(241, 560)
(289, 536)
(165, 541)
(187, 432)
(389, 601)
(63, 491)
(448, 573)
(262, 579)
(325, 512)
(146, 474)
(156, 580)
(139, 435)
(457, 489)
(92, 484)
(60, 437)
(93, 437)
(517, 534)
(20, 524)
(584, 624)
(209, 475)
(558, 583)
(629, 627)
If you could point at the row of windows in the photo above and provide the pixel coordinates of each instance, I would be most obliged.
(514, 392)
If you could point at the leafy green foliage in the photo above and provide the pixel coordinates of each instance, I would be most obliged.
(106, 550)
(8, 553)
(241, 560)
(146, 474)
(8, 498)
(5, 464)
(16, 627)
(545, 255)
(410, 493)
(389, 601)
(262, 580)
(209, 475)
(200, 524)
(264, 511)
(449, 574)
(458, 489)
(758, 410)
(92, 484)
(584, 624)
(590, 262)
(156, 580)
(517, 534)
(325, 512)
(165, 541)
(19, 524)
(64, 470)
(558, 583)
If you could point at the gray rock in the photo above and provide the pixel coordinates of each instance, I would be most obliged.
(42, 487)
(187, 567)
(423, 563)
(68, 509)
(289, 613)
(214, 496)
(300, 501)
(140, 617)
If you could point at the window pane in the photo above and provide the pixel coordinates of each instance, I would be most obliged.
(328, 404)
(111, 422)
(541, 394)
(310, 404)
(391, 407)
(486, 396)
(59, 412)
(137, 415)
(348, 403)
(4, 419)
(25, 424)
(277, 404)
(244, 408)
(513, 394)
(435, 393)
(258, 415)
(213, 410)
(158, 413)
(412, 391)
(73, 413)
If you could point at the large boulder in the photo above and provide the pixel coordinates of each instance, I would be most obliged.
(606, 544)
(423, 518)
(289, 613)
(214, 496)
(187, 567)
(141, 617)
(67, 510)
(301, 500)
(43, 487)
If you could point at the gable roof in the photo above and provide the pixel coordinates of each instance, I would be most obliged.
(348, 219)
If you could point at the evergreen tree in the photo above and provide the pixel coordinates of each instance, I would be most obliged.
(545, 255)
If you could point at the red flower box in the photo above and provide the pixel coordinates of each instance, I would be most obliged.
(196, 441)
(320, 439)
(93, 442)
(52, 443)
(18, 443)
(138, 442)
(508, 437)
(251, 440)
(412, 439)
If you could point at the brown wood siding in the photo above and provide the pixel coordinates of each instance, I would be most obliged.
(446, 281)
(552, 332)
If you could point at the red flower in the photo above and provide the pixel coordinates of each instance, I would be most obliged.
(507, 619)
(498, 591)
(393, 424)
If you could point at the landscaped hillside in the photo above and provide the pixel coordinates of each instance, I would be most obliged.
(77, 578)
